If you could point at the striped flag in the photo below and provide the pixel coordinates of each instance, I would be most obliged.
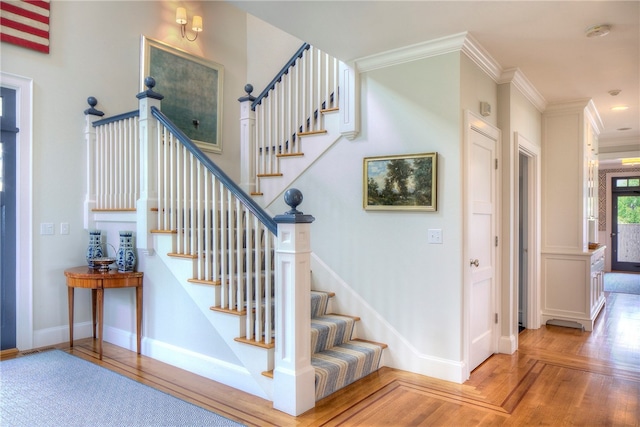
(25, 23)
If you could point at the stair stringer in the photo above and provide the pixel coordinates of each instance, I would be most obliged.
(312, 146)
(255, 360)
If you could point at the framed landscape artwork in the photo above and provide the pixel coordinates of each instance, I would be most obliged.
(402, 182)
(192, 89)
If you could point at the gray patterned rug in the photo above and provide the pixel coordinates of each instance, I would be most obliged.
(624, 283)
(54, 388)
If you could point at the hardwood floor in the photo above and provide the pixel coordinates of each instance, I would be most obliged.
(559, 376)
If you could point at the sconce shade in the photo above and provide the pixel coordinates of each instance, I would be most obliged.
(197, 24)
(181, 16)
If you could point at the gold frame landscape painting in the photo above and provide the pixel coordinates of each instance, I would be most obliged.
(401, 182)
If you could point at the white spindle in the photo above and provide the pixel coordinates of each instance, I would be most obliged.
(237, 253)
(268, 287)
(192, 225)
(224, 248)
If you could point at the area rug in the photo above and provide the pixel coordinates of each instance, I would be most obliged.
(624, 283)
(54, 388)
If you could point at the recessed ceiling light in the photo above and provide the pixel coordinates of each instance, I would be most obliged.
(614, 92)
(599, 30)
(631, 161)
(622, 129)
(620, 108)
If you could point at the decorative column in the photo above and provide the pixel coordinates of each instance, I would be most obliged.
(247, 141)
(147, 220)
(91, 116)
(293, 376)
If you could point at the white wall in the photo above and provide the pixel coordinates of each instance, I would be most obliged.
(384, 256)
(89, 57)
(268, 49)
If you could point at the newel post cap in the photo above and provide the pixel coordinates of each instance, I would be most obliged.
(293, 198)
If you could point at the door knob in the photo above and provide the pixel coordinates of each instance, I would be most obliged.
(474, 262)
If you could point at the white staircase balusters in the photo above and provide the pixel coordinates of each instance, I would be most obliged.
(290, 105)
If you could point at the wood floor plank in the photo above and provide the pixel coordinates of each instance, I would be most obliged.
(558, 376)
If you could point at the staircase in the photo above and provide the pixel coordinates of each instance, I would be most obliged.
(337, 357)
(224, 249)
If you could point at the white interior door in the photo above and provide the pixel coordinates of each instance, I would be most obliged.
(481, 237)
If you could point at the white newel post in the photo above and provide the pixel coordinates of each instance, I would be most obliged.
(349, 101)
(147, 220)
(91, 116)
(294, 377)
(247, 141)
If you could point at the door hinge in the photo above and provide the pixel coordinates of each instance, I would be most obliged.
(496, 163)
(496, 243)
(496, 318)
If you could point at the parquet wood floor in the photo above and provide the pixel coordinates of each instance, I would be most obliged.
(559, 376)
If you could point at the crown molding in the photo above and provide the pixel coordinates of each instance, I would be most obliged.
(522, 83)
(461, 42)
(585, 105)
(474, 50)
(411, 53)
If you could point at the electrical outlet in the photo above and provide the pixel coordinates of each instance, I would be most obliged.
(46, 228)
(434, 235)
(64, 228)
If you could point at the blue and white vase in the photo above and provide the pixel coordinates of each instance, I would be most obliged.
(126, 257)
(94, 250)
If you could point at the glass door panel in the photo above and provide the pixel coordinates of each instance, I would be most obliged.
(625, 237)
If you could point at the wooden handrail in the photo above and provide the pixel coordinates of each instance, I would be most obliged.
(246, 200)
(278, 77)
(134, 113)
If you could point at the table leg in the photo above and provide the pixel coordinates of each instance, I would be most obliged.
(139, 315)
(70, 296)
(93, 310)
(100, 309)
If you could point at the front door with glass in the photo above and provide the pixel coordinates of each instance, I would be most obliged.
(625, 224)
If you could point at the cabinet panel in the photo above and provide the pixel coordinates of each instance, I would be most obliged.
(573, 287)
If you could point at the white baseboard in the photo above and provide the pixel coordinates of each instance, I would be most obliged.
(507, 344)
(223, 372)
(60, 334)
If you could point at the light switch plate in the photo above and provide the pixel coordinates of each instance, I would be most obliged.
(434, 235)
(46, 228)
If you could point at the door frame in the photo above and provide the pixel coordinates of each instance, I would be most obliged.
(612, 207)
(607, 203)
(532, 152)
(24, 207)
(475, 123)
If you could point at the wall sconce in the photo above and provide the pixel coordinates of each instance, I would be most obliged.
(181, 18)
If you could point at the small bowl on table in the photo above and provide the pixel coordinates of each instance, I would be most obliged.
(103, 263)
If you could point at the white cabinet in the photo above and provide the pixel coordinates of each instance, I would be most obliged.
(573, 288)
(571, 272)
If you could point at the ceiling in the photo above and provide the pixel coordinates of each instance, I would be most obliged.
(546, 40)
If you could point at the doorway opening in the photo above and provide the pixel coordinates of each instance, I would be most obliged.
(625, 224)
(527, 222)
(523, 241)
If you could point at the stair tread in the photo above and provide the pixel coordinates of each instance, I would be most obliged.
(312, 132)
(344, 364)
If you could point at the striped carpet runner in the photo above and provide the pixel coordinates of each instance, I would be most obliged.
(338, 360)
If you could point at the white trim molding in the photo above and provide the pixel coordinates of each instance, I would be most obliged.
(522, 83)
(412, 53)
(24, 207)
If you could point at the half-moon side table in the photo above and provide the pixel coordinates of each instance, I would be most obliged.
(98, 281)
